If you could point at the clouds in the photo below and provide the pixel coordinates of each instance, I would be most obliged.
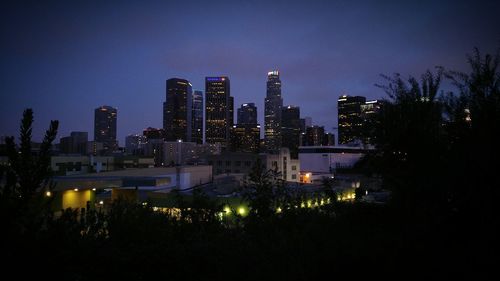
(77, 56)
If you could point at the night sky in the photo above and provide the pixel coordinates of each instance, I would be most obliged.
(65, 58)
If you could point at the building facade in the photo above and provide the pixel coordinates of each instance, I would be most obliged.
(247, 114)
(105, 127)
(350, 119)
(245, 138)
(273, 104)
(197, 123)
(290, 129)
(219, 110)
(177, 110)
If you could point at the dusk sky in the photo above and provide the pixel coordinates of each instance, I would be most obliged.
(66, 58)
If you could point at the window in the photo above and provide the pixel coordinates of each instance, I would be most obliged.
(211, 163)
(248, 163)
(294, 177)
(219, 163)
(237, 163)
(294, 168)
(228, 163)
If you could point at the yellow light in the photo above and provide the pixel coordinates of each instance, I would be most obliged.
(242, 211)
(278, 210)
(48, 193)
(322, 202)
(302, 205)
(309, 203)
(76, 189)
(227, 210)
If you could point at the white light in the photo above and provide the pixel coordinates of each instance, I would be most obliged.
(76, 189)
(101, 202)
(94, 189)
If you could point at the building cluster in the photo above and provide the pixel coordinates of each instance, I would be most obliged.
(200, 129)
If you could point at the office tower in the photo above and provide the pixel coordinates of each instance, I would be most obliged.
(105, 127)
(134, 144)
(328, 139)
(177, 110)
(245, 138)
(76, 143)
(272, 112)
(315, 135)
(154, 134)
(369, 114)
(247, 114)
(290, 129)
(349, 119)
(219, 108)
(197, 123)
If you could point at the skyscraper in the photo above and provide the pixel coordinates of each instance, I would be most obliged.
(197, 134)
(272, 112)
(105, 127)
(290, 129)
(369, 113)
(219, 110)
(349, 119)
(315, 135)
(178, 110)
(247, 114)
(245, 138)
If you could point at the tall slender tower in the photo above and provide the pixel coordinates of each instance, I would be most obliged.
(197, 134)
(177, 110)
(105, 127)
(219, 110)
(272, 112)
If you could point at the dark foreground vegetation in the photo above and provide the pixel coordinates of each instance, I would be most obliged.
(437, 153)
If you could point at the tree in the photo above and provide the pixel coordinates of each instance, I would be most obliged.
(410, 140)
(261, 190)
(27, 176)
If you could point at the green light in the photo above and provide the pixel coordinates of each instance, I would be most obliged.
(242, 211)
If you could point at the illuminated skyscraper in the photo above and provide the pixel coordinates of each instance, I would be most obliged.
(219, 110)
(349, 119)
(178, 110)
(272, 112)
(105, 127)
(197, 134)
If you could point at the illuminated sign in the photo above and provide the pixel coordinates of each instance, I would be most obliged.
(274, 72)
(215, 79)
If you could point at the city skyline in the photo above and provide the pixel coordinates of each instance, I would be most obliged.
(65, 59)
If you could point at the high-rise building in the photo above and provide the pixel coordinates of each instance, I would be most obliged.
(219, 110)
(315, 136)
(247, 114)
(272, 112)
(153, 134)
(134, 144)
(328, 139)
(178, 110)
(369, 112)
(349, 119)
(105, 127)
(76, 143)
(197, 123)
(245, 138)
(290, 129)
